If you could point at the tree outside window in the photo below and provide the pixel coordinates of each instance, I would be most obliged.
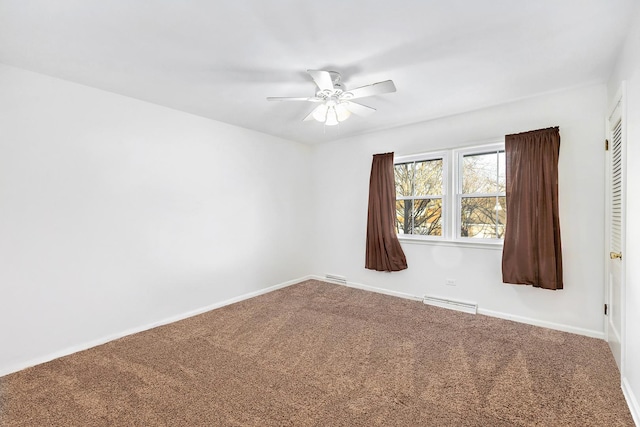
(419, 193)
(482, 202)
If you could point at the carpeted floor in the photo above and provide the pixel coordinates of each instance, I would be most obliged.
(316, 354)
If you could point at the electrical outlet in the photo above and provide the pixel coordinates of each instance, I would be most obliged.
(450, 282)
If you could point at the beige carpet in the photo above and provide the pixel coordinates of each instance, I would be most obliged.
(316, 354)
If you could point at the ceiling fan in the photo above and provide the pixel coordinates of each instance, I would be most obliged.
(336, 102)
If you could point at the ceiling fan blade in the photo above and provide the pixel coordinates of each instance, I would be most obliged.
(310, 115)
(370, 90)
(359, 109)
(284, 98)
(322, 78)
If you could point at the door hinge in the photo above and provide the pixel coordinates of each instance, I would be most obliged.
(605, 309)
(606, 145)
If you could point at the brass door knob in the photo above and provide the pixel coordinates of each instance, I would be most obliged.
(615, 255)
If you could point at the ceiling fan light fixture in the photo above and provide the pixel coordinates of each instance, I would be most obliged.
(332, 117)
(320, 113)
(342, 112)
(331, 112)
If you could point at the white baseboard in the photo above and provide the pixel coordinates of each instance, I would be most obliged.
(543, 323)
(490, 313)
(94, 343)
(632, 401)
(368, 288)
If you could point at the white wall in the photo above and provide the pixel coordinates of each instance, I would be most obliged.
(628, 69)
(116, 213)
(341, 172)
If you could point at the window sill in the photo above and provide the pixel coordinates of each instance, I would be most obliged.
(496, 246)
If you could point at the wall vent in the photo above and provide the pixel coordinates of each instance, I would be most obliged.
(467, 307)
(336, 279)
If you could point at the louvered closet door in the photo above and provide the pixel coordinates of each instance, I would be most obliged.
(616, 238)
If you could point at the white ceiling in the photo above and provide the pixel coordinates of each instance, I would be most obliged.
(221, 59)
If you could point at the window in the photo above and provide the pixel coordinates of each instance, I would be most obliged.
(419, 196)
(481, 194)
(476, 209)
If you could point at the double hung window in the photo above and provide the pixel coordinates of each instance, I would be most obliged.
(453, 195)
(420, 189)
(481, 209)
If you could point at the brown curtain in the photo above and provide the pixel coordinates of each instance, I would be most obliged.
(384, 252)
(532, 253)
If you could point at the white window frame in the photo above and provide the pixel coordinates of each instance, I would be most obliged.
(451, 197)
(433, 155)
(459, 155)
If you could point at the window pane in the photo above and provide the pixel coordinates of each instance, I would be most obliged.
(478, 217)
(502, 173)
(403, 216)
(428, 178)
(427, 217)
(403, 176)
(501, 209)
(421, 216)
(480, 173)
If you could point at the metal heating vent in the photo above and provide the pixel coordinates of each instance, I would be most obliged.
(336, 279)
(467, 307)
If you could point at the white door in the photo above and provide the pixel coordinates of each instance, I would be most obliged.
(616, 228)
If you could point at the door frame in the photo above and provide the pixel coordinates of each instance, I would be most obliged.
(616, 112)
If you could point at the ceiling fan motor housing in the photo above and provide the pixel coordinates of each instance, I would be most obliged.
(338, 87)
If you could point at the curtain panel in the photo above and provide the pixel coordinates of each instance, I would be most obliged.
(384, 252)
(532, 252)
